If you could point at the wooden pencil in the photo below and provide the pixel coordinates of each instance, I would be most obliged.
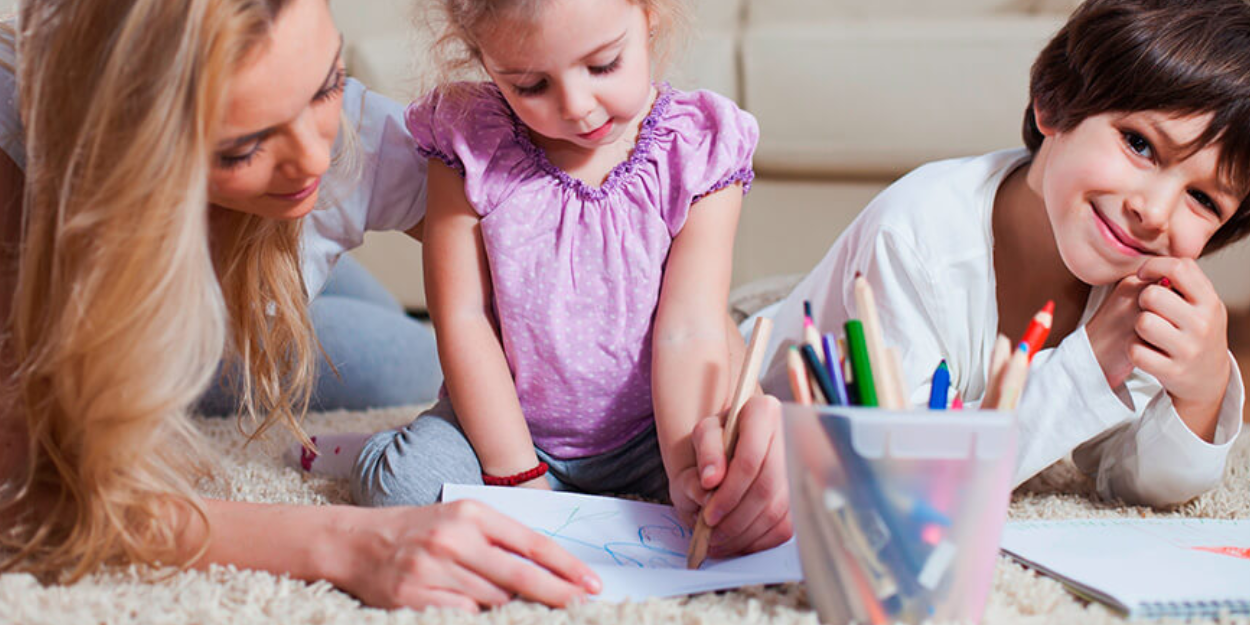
(895, 359)
(882, 371)
(797, 373)
(998, 359)
(1013, 378)
(742, 392)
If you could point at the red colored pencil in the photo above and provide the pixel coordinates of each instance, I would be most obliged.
(1039, 328)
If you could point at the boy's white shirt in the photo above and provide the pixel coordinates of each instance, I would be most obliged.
(925, 244)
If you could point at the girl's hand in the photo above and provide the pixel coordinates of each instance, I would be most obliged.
(1183, 332)
(1110, 330)
(458, 555)
(750, 508)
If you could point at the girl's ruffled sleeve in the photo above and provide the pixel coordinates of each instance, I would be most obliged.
(713, 146)
(465, 126)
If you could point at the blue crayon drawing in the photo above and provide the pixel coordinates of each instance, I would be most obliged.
(657, 546)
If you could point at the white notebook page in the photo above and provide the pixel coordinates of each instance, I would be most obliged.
(1145, 567)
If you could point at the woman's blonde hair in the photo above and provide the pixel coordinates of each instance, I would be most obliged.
(460, 25)
(122, 307)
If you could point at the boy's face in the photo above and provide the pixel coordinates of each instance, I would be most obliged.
(1120, 188)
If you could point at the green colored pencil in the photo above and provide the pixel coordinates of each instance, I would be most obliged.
(857, 351)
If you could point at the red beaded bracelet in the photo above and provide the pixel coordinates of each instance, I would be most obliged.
(519, 478)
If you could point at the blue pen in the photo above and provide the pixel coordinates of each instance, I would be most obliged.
(940, 387)
(833, 362)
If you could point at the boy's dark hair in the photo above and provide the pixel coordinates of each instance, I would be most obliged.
(1189, 57)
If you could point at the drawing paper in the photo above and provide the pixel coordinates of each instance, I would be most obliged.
(638, 549)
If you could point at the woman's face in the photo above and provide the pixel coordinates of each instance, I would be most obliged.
(282, 115)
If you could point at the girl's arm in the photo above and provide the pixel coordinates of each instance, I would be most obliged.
(690, 362)
(695, 354)
(458, 292)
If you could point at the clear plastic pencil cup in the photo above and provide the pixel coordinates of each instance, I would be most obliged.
(898, 513)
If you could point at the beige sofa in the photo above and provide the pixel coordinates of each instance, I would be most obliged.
(849, 94)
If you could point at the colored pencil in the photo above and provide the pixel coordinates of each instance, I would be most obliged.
(1039, 328)
(883, 376)
(957, 403)
(940, 387)
(861, 363)
(833, 362)
(896, 370)
(998, 359)
(798, 377)
(1014, 375)
(810, 335)
(848, 374)
(748, 379)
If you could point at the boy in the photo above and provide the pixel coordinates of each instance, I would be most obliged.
(1137, 162)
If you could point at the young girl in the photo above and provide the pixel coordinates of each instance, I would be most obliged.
(578, 247)
(1138, 162)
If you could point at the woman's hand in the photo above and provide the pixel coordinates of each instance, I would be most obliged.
(458, 555)
(749, 509)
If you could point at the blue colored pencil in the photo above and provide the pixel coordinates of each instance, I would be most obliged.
(940, 387)
(833, 362)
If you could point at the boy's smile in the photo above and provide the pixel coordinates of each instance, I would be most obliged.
(1121, 187)
(1116, 236)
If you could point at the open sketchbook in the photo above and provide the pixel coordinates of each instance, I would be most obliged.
(638, 549)
(1143, 567)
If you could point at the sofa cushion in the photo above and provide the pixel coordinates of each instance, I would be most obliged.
(880, 97)
(764, 12)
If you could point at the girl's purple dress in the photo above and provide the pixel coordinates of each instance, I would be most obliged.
(576, 270)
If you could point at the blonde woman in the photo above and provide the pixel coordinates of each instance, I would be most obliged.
(173, 151)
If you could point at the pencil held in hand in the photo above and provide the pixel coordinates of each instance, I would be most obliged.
(742, 392)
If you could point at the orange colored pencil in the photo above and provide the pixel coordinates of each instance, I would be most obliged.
(799, 384)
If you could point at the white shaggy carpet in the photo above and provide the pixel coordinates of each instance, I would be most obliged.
(255, 473)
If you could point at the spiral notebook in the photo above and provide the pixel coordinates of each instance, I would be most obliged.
(1146, 568)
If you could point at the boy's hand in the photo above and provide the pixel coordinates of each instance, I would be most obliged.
(749, 509)
(1183, 332)
(1110, 330)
